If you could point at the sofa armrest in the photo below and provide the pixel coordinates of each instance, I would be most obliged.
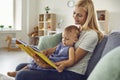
(108, 67)
(113, 42)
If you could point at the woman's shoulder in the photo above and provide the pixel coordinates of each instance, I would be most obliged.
(89, 33)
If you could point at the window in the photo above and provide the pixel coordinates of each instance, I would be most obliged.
(6, 13)
(10, 14)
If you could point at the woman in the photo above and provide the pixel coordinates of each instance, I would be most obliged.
(84, 16)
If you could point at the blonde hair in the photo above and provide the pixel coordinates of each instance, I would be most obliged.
(72, 28)
(91, 21)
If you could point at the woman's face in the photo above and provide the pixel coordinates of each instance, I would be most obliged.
(79, 15)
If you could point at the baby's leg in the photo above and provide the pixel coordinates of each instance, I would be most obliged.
(13, 74)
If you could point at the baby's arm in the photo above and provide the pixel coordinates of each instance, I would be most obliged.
(71, 58)
(49, 51)
(41, 62)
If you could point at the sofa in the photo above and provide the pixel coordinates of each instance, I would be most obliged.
(109, 43)
(108, 67)
(103, 49)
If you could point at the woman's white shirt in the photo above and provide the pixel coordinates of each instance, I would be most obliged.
(87, 41)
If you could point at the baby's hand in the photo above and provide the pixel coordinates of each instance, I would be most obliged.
(41, 62)
(60, 66)
(38, 60)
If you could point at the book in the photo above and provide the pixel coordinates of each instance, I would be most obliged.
(31, 50)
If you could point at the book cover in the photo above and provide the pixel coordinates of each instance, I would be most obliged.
(31, 50)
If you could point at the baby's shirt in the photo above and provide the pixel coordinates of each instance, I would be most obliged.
(61, 53)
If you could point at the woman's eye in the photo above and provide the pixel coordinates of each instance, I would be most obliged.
(78, 15)
(67, 39)
(73, 12)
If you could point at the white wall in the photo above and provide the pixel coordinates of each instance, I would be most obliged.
(114, 12)
(29, 18)
(59, 8)
(63, 12)
(32, 8)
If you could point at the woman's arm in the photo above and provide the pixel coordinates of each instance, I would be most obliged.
(79, 54)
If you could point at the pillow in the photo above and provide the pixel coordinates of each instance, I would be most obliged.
(49, 41)
(108, 68)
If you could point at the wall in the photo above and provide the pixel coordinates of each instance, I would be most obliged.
(114, 12)
(59, 8)
(65, 13)
(32, 8)
(29, 18)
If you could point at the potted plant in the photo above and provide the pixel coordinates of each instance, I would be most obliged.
(1, 26)
(47, 9)
(10, 27)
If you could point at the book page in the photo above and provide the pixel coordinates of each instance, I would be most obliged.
(31, 50)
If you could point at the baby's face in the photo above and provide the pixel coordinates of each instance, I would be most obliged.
(68, 39)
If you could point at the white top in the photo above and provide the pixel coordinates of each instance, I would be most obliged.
(87, 41)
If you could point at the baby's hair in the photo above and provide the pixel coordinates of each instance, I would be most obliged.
(72, 28)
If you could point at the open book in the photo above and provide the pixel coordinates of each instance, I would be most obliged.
(31, 50)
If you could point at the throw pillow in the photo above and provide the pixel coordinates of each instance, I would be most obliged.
(49, 41)
(108, 68)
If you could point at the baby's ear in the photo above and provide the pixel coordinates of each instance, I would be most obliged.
(75, 40)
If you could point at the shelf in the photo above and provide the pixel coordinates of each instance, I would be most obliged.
(102, 16)
(47, 22)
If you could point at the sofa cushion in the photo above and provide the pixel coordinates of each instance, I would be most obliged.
(96, 55)
(108, 68)
(49, 41)
(113, 42)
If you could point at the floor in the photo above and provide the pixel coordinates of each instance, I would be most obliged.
(9, 60)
